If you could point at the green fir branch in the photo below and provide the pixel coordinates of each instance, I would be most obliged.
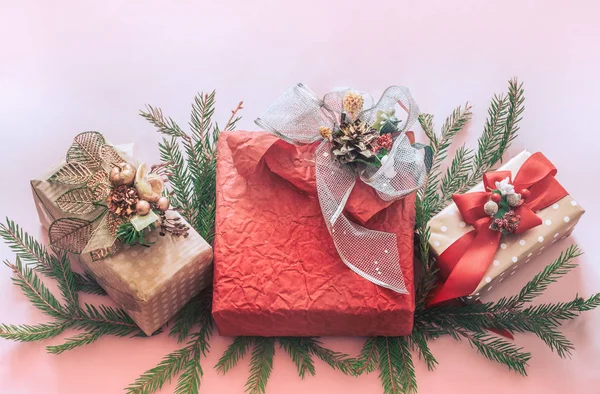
(300, 354)
(261, 365)
(155, 378)
(396, 369)
(190, 378)
(179, 178)
(540, 282)
(418, 341)
(499, 350)
(367, 360)
(28, 249)
(28, 333)
(86, 284)
(336, 360)
(234, 353)
(35, 290)
(84, 338)
(188, 317)
(203, 109)
(163, 124)
(457, 175)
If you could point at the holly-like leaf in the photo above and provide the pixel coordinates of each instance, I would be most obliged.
(77, 201)
(86, 150)
(503, 208)
(72, 174)
(110, 155)
(70, 234)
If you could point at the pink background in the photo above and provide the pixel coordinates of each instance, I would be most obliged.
(70, 66)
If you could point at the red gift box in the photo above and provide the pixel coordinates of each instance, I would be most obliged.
(276, 269)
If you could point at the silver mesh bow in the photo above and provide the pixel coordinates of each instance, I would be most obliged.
(296, 118)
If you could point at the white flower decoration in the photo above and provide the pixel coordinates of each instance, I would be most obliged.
(505, 187)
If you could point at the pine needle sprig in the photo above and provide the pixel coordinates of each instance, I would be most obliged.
(179, 178)
(367, 360)
(551, 273)
(300, 354)
(203, 109)
(439, 146)
(261, 365)
(163, 124)
(336, 360)
(396, 368)
(189, 315)
(29, 333)
(418, 342)
(234, 353)
(28, 249)
(516, 98)
(84, 338)
(94, 321)
(86, 284)
(155, 378)
(184, 362)
(35, 290)
(501, 128)
(456, 176)
(499, 350)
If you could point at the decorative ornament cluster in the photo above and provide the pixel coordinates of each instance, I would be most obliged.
(130, 201)
(359, 138)
(355, 141)
(502, 204)
(136, 192)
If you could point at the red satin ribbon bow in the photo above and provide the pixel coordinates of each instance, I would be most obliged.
(465, 262)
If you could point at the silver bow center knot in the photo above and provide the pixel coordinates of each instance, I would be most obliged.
(297, 116)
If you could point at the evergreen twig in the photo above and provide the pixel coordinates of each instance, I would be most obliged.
(261, 365)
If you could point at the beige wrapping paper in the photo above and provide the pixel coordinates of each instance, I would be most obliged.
(150, 283)
(558, 220)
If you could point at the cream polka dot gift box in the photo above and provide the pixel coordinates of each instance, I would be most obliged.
(487, 233)
(102, 206)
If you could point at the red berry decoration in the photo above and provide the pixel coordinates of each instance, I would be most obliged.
(525, 193)
(496, 197)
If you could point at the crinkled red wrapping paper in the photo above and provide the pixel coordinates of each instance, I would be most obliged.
(277, 272)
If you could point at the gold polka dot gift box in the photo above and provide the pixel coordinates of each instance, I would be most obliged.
(503, 222)
(111, 212)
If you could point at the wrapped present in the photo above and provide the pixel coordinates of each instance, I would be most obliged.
(500, 224)
(112, 214)
(283, 266)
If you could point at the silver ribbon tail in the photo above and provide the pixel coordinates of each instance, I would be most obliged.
(296, 117)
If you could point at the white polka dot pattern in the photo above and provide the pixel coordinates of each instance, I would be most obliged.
(558, 221)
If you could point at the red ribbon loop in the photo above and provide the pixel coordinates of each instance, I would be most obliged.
(464, 263)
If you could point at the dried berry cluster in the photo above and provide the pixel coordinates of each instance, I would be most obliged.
(508, 223)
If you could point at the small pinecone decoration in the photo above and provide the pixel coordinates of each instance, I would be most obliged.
(122, 200)
(354, 141)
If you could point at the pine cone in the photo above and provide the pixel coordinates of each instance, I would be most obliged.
(122, 200)
(354, 142)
